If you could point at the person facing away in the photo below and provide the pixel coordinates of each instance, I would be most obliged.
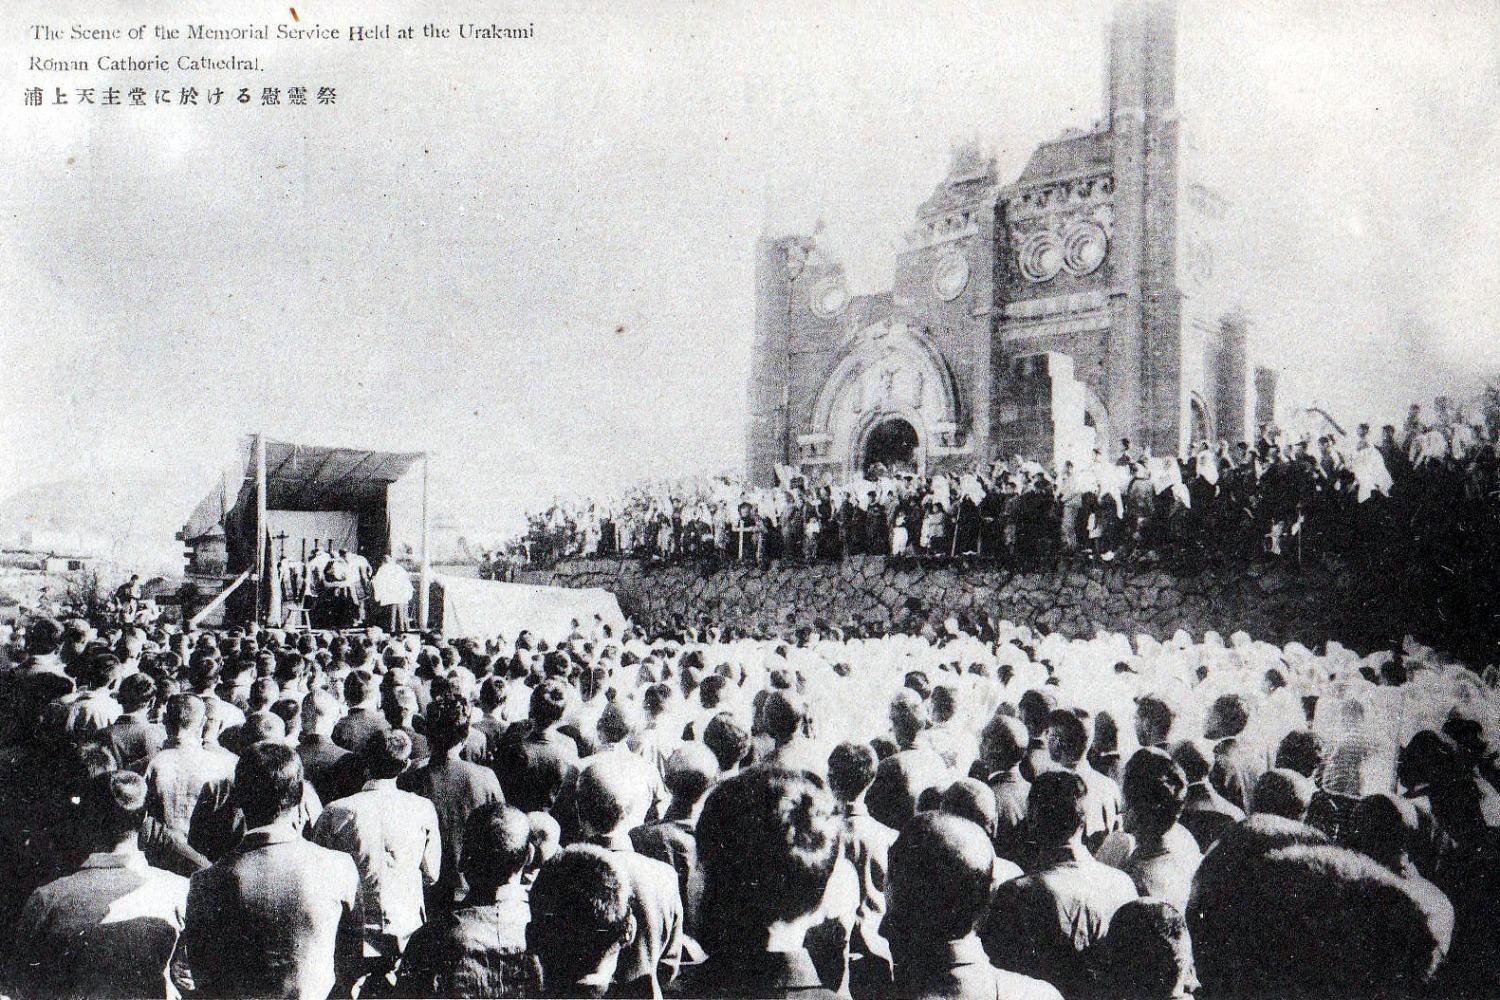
(1206, 814)
(332, 771)
(455, 788)
(393, 838)
(1002, 750)
(1035, 708)
(1147, 954)
(691, 772)
(185, 770)
(1236, 767)
(1383, 828)
(533, 754)
(768, 841)
(866, 845)
(1045, 923)
(93, 707)
(364, 720)
(133, 737)
(581, 921)
(612, 797)
(267, 919)
(972, 800)
(940, 885)
(1068, 733)
(111, 928)
(1282, 792)
(1154, 849)
(478, 949)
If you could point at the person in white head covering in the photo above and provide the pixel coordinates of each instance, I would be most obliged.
(1370, 472)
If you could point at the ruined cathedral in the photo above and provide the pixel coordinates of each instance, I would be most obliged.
(1071, 308)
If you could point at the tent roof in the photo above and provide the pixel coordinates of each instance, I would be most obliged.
(304, 477)
(312, 477)
(207, 516)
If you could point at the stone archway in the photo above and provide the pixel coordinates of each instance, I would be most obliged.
(892, 442)
(890, 370)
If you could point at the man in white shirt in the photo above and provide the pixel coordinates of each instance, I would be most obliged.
(393, 838)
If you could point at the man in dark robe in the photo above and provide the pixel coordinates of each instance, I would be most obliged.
(877, 530)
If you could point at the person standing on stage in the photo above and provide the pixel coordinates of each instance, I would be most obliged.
(393, 590)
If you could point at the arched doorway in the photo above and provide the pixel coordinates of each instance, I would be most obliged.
(892, 443)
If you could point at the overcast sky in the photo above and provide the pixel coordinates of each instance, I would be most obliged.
(535, 258)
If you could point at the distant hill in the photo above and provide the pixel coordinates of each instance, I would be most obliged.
(132, 519)
(128, 519)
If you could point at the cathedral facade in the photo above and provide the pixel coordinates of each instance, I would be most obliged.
(1064, 311)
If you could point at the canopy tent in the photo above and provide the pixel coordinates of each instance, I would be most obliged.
(282, 498)
(484, 609)
(314, 478)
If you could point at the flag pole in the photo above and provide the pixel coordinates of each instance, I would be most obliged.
(424, 575)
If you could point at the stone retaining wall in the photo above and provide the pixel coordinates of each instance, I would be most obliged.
(1271, 602)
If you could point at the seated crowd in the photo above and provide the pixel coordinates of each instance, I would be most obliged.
(685, 811)
(1351, 494)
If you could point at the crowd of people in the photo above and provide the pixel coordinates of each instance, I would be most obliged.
(675, 809)
(1278, 495)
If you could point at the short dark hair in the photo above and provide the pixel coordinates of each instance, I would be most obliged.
(1154, 787)
(767, 842)
(386, 755)
(358, 687)
(782, 714)
(972, 799)
(1300, 750)
(711, 689)
(447, 722)
(689, 772)
(184, 712)
(727, 739)
(1067, 735)
(203, 669)
(1146, 951)
(548, 703)
(1282, 792)
(656, 698)
(497, 842)
(263, 693)
(580, 908)
(1157, 712)
(1035, 706)
(117, 801)
(100, 670)
(851, 769)
(267, 782)
(943, 702)
(289, 711)
(1054, 807)
(491, 693)
(938, 856)
(1003, 742)
(136, 691)
(44, 636)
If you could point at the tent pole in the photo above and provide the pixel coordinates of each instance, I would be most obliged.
(260, 526)
(422, 578)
